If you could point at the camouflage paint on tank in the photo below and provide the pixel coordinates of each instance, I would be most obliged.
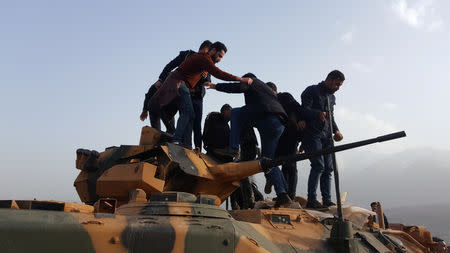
(174, 227)
(108, 159)
(104, 230)
(42, 231)
(192, 227)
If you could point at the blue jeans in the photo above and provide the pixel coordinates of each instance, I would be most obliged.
(270, 129)
(183, 132)
(235, 130)
(321, 168)
(197, 124)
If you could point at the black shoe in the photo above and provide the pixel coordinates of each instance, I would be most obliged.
(228, 151)
(282, 199)
(180, 144)
(268, 187)
(314, 204)
(328, 203)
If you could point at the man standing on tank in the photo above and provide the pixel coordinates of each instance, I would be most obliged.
(289, 140)
(178, 83)
(263, 111)
(316, 100)
(197, 94)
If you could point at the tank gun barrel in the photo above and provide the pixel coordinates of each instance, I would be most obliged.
(266, 164)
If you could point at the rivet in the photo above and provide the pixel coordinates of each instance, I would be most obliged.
(114, 240)
(225, 242)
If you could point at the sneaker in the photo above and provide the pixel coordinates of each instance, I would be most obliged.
(268, 187)
(178, 143)
(282, 199)
(314, 204)
(228, 151)
(328, 203)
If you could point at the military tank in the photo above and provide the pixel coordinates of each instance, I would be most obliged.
(161, 197)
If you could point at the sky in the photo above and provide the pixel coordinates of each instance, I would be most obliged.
(73, 74)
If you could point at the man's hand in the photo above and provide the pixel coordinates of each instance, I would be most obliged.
(323, 116)
(158, 84)
(143, 115)
(247, 80)
(338, 136)
(301, 125)
(209, 85)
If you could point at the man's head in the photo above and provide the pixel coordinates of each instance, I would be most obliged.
(272, 86)
(204, 47)
(374, 205)
(217, 51)
(334, 81)
(250, 75)
(226, 111)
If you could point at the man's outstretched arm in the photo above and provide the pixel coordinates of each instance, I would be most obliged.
(235, 87)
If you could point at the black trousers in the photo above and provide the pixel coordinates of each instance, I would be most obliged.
(156, 114)
(197, 127)
(287, 145)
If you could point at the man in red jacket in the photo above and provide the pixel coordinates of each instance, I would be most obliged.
(187, 75)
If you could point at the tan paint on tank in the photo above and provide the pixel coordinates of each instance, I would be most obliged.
(411, 244)
(304, 234)
(181, 228)
(199, 164)
(208, 160)
(105, 233)
(229, 172)
(246, 245)
(219, 189)
(120, 179)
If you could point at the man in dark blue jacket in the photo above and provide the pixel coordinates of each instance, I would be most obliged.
(263, 111)
(197, 94)
(317, 101)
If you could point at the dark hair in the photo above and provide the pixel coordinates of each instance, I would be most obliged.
(437, 239)
(250, 75)
(225, 107)
(219, 46)
(336, 75)
(205, 44)
(272, 86)
(373, 204)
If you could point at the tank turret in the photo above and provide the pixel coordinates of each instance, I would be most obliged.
(156, 166)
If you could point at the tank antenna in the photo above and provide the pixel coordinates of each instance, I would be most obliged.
(335, 167)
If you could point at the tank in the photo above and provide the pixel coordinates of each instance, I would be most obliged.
(162, 197)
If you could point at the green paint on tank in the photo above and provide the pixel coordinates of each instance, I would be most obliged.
(210, 235)
(244, 229)
(42, 231)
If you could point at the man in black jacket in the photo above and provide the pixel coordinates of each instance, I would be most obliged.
(216, 131)
(263, 111)
(289, 140)
(317, 101)
(197, 95)
(374, 206)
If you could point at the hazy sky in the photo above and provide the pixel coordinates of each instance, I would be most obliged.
(74, 73)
